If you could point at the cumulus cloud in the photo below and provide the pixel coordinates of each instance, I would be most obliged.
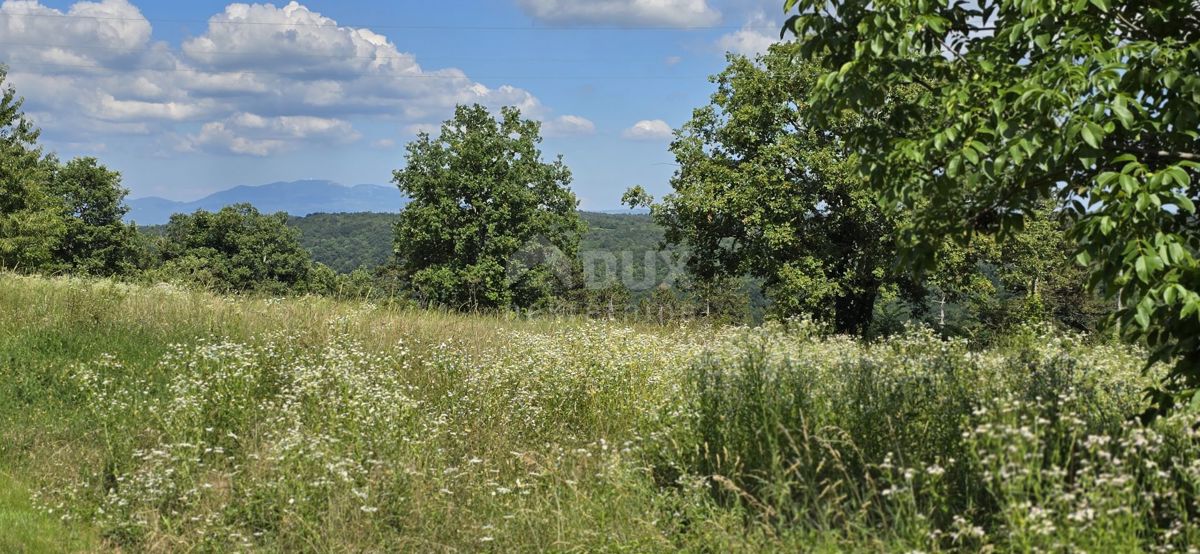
(568, 125)
(752, 39)
(638, 13)
(116, 28)
(649, 129)
(292, 55)
(254, 135)
(92, 75)
(305, 76)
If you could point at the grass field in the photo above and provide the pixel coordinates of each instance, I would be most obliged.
(159, 419)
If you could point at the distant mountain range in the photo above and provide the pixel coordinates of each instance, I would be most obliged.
(297, 198)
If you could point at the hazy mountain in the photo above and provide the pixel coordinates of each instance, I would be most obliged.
(296, 198)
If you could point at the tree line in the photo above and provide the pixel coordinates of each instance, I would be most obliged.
(67, 218)
(768, 219)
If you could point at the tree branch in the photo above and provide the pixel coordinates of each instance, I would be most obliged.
(1167, 154)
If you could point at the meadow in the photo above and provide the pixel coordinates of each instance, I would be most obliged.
(155, 418)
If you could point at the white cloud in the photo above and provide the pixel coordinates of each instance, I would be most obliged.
(649, 129)
(114, 30)
(90, 77)
(568, 125)
(292, 55)
(254, 135)
(89, 128)
(111, 108)
(752, 39)
(666, 13)
(673, 60)
(296, 42)
(294, 68)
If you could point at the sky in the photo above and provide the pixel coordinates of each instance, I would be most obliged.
(188, 98)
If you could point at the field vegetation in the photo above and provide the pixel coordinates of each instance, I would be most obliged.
(164, 419)
(972, 231)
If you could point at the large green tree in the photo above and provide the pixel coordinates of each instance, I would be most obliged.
(1092, 103)
(30, 219)
(760, 191)
(480, 197)
(95, 241)
(236, 249)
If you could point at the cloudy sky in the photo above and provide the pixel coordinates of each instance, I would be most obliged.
(187, 98)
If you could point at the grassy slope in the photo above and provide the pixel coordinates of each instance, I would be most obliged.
(48, 327)
(348, 427)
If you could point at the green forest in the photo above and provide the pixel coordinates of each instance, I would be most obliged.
(348, 241)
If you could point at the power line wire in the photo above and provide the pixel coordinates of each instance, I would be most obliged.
(560, 28)
(414, 57)
(420, 76)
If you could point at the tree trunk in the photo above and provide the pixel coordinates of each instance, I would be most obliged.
(942, 312)
(853, 312)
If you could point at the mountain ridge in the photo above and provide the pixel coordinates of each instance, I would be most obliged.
(297, 198)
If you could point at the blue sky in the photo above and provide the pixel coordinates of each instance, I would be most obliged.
(187, 98)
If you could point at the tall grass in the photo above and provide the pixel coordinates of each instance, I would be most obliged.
(160, 419)
(925, 443)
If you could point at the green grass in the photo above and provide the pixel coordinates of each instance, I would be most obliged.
(25, 530)
(157, 419)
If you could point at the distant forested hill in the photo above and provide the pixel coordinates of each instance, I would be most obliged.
(348, 241)
(617, 232)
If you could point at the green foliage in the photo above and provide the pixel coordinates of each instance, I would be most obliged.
(986, 288)
(761, 192)
(236, 249)
(30, 223)
(637, 197)
(723, 300)
(96, 241)
(610, 300)
(622, 244)
(57, 217)
(480, 193)
(1091, 103)
(618, 247)
(346, 242)
(25, 529)
(157, 415)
